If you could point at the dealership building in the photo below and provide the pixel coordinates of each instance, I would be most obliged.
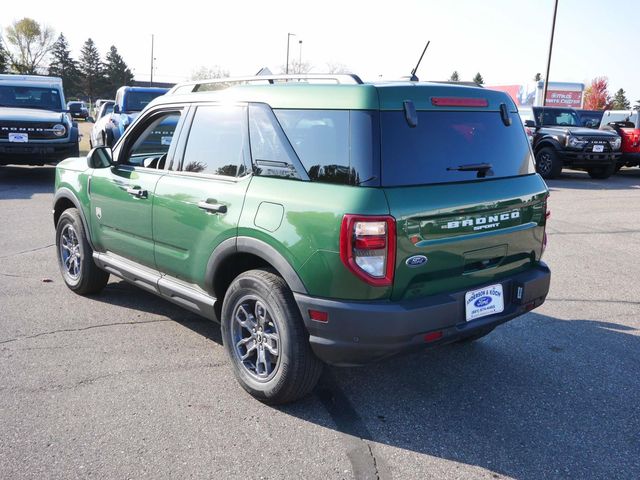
(559, 94)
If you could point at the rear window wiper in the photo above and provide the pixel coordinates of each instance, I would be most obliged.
(481, 168)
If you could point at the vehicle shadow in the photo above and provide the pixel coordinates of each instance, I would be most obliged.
(23, 182)
(123, 294)
(577, 180)
(540, 397)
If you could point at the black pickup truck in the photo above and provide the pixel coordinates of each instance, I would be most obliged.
(560, 141)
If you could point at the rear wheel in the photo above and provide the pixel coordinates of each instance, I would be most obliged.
(75, 256)
(548, 164)
(602, 173)
(265, 339)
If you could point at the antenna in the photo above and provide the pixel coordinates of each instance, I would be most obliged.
(413, 77)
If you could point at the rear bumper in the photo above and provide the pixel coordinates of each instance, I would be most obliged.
(361, 332)
(36, 153)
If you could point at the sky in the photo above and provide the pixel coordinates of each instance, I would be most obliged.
(505, 40)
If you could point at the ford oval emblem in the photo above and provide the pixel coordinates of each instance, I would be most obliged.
(483, 301)
(416, 261)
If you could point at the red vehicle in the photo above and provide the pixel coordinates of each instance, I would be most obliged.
(627, 124)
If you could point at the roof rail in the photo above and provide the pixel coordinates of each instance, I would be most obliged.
(222, 83)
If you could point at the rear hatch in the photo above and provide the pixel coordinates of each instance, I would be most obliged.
(469, 207)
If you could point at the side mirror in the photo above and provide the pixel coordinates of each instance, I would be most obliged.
(116, 108)
(530, 124)
(100, 157)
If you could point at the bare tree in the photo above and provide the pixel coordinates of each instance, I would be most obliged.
(337, 68)
(297, 68)
(204, 73)
(31, 43)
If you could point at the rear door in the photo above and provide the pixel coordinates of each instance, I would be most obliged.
(470, 208)
(198, 203)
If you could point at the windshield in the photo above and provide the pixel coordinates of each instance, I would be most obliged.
(30, 97)
(551, 117)
(136, 101)
(452, 147)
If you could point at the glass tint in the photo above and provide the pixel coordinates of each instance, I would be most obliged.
(270, 149)
(151, 147)
(335, 146)
(136, 101)
(557, 116)
(30, 97)
(217, 141)
(445, 140)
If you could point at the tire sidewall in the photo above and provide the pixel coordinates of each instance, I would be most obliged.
(256, 286)
(70, 217)
(556, 166)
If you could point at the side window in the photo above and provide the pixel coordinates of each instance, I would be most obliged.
(335, 146)
(270, 150)
(217, 143)
(150, 148)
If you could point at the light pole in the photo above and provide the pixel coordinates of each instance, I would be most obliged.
(546, 79)
(300, 57)
(152, 59)
(289, 35)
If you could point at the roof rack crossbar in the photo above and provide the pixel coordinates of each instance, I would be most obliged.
(340, 79)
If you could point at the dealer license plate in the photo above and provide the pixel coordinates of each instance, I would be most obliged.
(598, 148)
(484, 301)
(19, 137)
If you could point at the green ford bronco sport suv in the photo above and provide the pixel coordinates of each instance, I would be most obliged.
(319, 219)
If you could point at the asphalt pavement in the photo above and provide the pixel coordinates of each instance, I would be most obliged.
(126, 385)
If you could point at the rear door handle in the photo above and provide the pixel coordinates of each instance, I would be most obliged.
(137, 192)
(212, 207)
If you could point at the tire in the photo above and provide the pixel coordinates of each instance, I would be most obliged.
(80, 273)
(108, 138)
(474, 337)
(602, 173)
(258, 314)
(548, 164)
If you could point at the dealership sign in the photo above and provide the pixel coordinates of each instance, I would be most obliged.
(564, 98)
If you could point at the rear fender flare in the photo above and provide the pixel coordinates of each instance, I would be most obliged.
(255, 247)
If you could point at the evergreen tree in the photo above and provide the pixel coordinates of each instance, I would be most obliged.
(65, 67)
(478, 79)
(454, 77)
(116, 72)
(620, 101)
(4, 58)
(637, 105)
(92, 80)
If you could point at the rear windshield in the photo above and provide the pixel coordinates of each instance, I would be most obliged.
(136, 101)
(443, 142)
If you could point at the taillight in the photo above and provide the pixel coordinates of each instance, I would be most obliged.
(547, 214)
(368, 247)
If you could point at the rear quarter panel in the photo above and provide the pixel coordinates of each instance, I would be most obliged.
(307, 234)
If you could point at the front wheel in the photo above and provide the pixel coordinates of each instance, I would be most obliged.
(548, 163)
(75, 256)
(265, 339)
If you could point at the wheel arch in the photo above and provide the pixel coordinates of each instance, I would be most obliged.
(65, 199)
(547, 142)
(239, 254)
